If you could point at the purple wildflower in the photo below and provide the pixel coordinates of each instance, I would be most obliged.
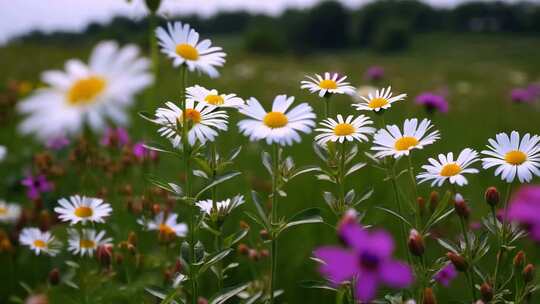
(367, 261)
(374, 73)
(534, 90)
(520, 95)
(115, 137)
(432, 101)
(446, 275)
(57, 143)
(35, 185)
(525, 207)
(142, 153)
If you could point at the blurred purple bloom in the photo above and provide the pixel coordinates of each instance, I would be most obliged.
(35, 185)
(525, 207)
(520, 95)
(432, 101)
(57, 143)
(367, 261)
(446, 275)
(534, 90)
(374, 73)
(142, 153)
(115, 137)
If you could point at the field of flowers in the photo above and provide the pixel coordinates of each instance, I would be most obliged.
(218, 176)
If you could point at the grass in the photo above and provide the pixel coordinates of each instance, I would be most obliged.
(477, 71)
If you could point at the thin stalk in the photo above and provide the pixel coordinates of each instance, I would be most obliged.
(502, 237)
(470, 277)
(274, 219)
(327, 110)
(214, 213)
(415, 191)
(400, 211)
(213, 153)
(342, 177)
(187, 167)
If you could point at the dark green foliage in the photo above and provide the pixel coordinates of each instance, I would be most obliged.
(392, 36)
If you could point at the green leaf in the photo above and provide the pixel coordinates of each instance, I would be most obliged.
(213, 259)
(306, 216)
(303, 170)
(147, 116)
(267, 162)
(259, 207)
(228, 293)
(391, 212)
(447, 245)
(170, 187)
(364, 197)
(355, 168)
(235, 237)
(217, 181)
(254, 298)
(316, 285)
(256, 219)
(234, 153)
(159, 148)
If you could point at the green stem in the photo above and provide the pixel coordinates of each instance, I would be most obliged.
(327, 110)
(342, 178)
(274, 219)
(502, 236)
(469, 256)
(400, 211)
(213, 152)
(415, 191)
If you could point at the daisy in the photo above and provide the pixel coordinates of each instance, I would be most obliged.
(278, 126)
(202, 120)
(349, 129)
(181, 43)
(379, 100)
(363, 91)
(86, 241)
(391, 141)
(9, 213)
(83, 209)
(166, 224)
(330, 83)
(212, 97)
(39, 241)
(446, 168)
(513, 157)
(83, 94)
(224, 207)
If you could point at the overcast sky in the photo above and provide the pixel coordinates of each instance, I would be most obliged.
(20, 16)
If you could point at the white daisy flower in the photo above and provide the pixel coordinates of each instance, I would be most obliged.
(181, 43)
(86, 241)
(513, 157)
(224, 207)
(330, 83)
(202, 120)
(378, 100)
(86, 94)
(165, 224)
(3, 152)
(278, 126)
(39, 241)
(363, 91)
(446, 168)
(83, 209)
(212, 97)
(9, 213)
(391, 141)
(348, 129)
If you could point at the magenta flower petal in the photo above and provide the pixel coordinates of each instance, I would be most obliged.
(381, 242)
(446, 275)
(339, 264)
(353, 235)
(525, 207)
(366, 286)
(396, 274)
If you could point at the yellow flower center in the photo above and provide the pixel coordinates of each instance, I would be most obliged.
(3, 211)
(515, 157)
(405, 143)
(165, 229)
(40, 244)
(450, 170)
(214, 100)
(87, 244)
(84, 211)
(378, 102)
(84, 91)
(275, 120)
(191, 115)
(343, 129)
(328, 84)
(187, 51)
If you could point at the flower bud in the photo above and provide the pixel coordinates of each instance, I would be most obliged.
(54, 276)
(486, 291)
(104, 254)
(243, 249)
(178, 266)
(429, 297)
(349, 217)
(202, 300)
(118, 258)
(264, 234)
(460, 206)
(264, 253)
(492, 196)
(458, 261)
(519, 259)
(156, 208)
(433, 200)
(528, 273)
(254, 255)
(37, 299)
(244, 225)
(421, 202)
(416, 243)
